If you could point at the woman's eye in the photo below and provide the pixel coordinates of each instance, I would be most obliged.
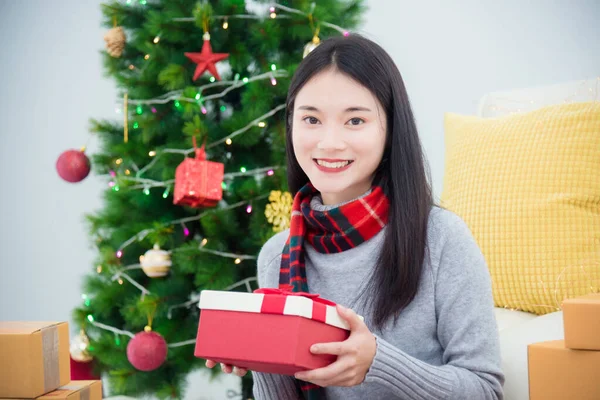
(311, 120)
(356, 121)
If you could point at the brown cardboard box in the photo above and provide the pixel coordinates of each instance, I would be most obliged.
(559, 373)
(581, 316)
(34, 358)
(76, 390)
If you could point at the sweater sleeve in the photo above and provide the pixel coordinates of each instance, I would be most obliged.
(466, 329)
(272, 386)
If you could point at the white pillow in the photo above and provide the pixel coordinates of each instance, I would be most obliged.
(498, 104)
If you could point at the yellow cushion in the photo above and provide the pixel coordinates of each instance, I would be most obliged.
(528, 187)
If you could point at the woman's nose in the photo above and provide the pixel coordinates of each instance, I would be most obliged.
(331, 141)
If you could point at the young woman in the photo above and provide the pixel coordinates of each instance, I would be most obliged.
(366, 234)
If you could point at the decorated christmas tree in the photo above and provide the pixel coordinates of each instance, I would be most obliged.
(194, 164)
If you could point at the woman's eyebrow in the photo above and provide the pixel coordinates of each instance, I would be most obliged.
(349, 109)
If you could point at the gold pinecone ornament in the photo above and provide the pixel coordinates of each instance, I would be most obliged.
(115, 41)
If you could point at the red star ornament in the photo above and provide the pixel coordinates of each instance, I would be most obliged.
(206, 59)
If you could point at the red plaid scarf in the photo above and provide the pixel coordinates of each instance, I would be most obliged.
(332, 231)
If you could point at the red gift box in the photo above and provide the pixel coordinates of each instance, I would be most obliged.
(198, 181)
(267, 331)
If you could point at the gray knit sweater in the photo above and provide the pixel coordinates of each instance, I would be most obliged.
(445, 343)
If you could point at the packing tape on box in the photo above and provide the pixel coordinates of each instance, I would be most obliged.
(51, 358)
(84, 390)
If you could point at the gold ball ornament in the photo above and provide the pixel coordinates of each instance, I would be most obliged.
(156, 262)
(79, 348)
(115, 41)
(279, 211)
(310, 46)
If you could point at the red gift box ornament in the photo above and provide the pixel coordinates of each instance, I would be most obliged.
(198, 181)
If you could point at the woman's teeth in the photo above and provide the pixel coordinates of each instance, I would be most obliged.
(339, 164)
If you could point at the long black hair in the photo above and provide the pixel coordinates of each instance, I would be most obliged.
(402, 171)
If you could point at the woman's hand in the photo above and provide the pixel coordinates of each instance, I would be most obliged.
(355, 355)
(228, 369)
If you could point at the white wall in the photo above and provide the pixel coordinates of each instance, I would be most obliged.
(451, 53)
(51, 82)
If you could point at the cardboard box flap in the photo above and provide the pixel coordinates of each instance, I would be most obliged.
(271, 304)
(24, 327)
(91, 390)
(592, 298)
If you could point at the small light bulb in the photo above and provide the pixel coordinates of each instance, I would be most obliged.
(223, 186)
(90, 318)
(198, 96)
(273, 67)
(116, 188)
(156, 40)
(346, 33)
(147, 57)
(243, 170)
(225, 24)
(245, 80)
(177, 103)
(273, 15)
(153, 110)
(118, 161)
(228, 142)
(127, 172)
(273, 81)
(204, 111)
(212, 79)
(146, 191)
(270, 172)
(131, 67)
(237, 261)
(166, 193)
(186, 231)
(111, 184)
(112, 173)
(119, 253)
(139, 110)
(223, 108)
(120, 281)
(204, 241)
(249, 208)
(99, 269)
(136, 125)
(152, 153)
(262, 124)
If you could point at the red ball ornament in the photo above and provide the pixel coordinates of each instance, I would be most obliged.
(147, 351)
(84, 371)
(73, 165)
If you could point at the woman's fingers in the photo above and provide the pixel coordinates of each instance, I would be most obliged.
(228, 369)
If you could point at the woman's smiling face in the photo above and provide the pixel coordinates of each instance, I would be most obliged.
(338, 134)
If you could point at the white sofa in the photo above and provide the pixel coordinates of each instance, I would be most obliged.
(519, 329)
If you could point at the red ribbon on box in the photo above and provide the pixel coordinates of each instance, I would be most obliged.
(274, 302)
